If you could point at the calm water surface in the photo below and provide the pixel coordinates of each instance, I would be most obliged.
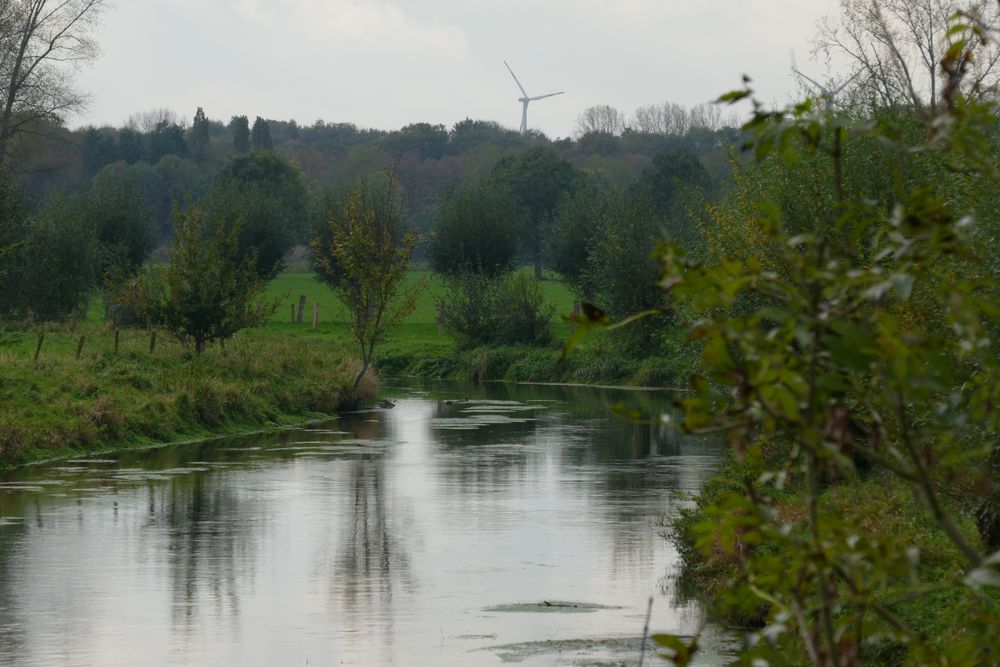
(505, 524)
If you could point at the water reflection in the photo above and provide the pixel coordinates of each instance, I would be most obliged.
(386, 537)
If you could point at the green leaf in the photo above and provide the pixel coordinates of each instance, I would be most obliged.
(982, 577)
(681, 654)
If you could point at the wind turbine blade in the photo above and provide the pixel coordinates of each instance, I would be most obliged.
(845, 84)
(819, 87)
(542, 97)
(515, 79)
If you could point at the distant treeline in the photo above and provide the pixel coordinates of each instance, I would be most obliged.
(178, 161)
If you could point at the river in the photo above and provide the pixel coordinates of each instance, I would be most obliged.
(464, 526)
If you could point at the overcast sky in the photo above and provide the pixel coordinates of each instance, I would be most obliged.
(386, 64)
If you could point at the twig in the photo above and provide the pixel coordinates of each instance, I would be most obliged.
(645, 632)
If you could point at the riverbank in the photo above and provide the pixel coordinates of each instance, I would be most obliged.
(61, 405)
(601, 360)
(880, 509)
(282, 373)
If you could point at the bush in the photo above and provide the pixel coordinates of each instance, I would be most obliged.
(510, 309)
(522, 316)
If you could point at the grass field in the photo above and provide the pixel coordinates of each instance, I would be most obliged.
(419, 328)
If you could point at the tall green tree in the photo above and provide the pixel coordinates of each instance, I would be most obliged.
(198, 138)
(239, 126)
(165, 139)
(260, 135)
(537, 178)
(266, 195)
(476, 231)
(123, 221)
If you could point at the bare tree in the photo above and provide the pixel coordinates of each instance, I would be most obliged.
(674, 119)
(147, 121)
(38, 39)
(897, 45)
(601, 118)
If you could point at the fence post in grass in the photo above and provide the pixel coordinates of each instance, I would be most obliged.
(38, 348)
(79, 347)
(117, 332)
(152, 341)
(302, 307)
(315, 315)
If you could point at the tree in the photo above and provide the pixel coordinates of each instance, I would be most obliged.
(207, 293)
(129, 145)
(266, 195)
(537, 179)
(672, 119)
(37, 38)
(666, 182)
(571, 236)
(144, 122)
(602, 118)
(198, 138)
(240, 128)
(627, 228)
(98, 150)
(165, 139)
(426, 140)
(52, 264)
(476, 231)
(363, 257)
(895, 48)
(260, 135)
(120, 213)
(468, 135)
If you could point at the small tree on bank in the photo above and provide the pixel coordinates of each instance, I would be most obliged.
(207, 293)
(363, 253)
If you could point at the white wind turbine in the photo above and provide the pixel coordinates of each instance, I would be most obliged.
(526, 99)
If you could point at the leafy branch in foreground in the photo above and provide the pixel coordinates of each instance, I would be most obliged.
(858, 342)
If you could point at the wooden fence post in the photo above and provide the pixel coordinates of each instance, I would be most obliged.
(79, 347)
(152, 341)
(315, 315)
(302, 307)
(117, 332)
(38, 348)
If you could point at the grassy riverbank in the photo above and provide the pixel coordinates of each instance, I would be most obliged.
(281, 373)
(61, 405)
(882, 510)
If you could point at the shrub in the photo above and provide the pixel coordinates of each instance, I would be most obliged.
(510, 309)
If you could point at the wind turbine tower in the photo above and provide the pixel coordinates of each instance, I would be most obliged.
(527, 99)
